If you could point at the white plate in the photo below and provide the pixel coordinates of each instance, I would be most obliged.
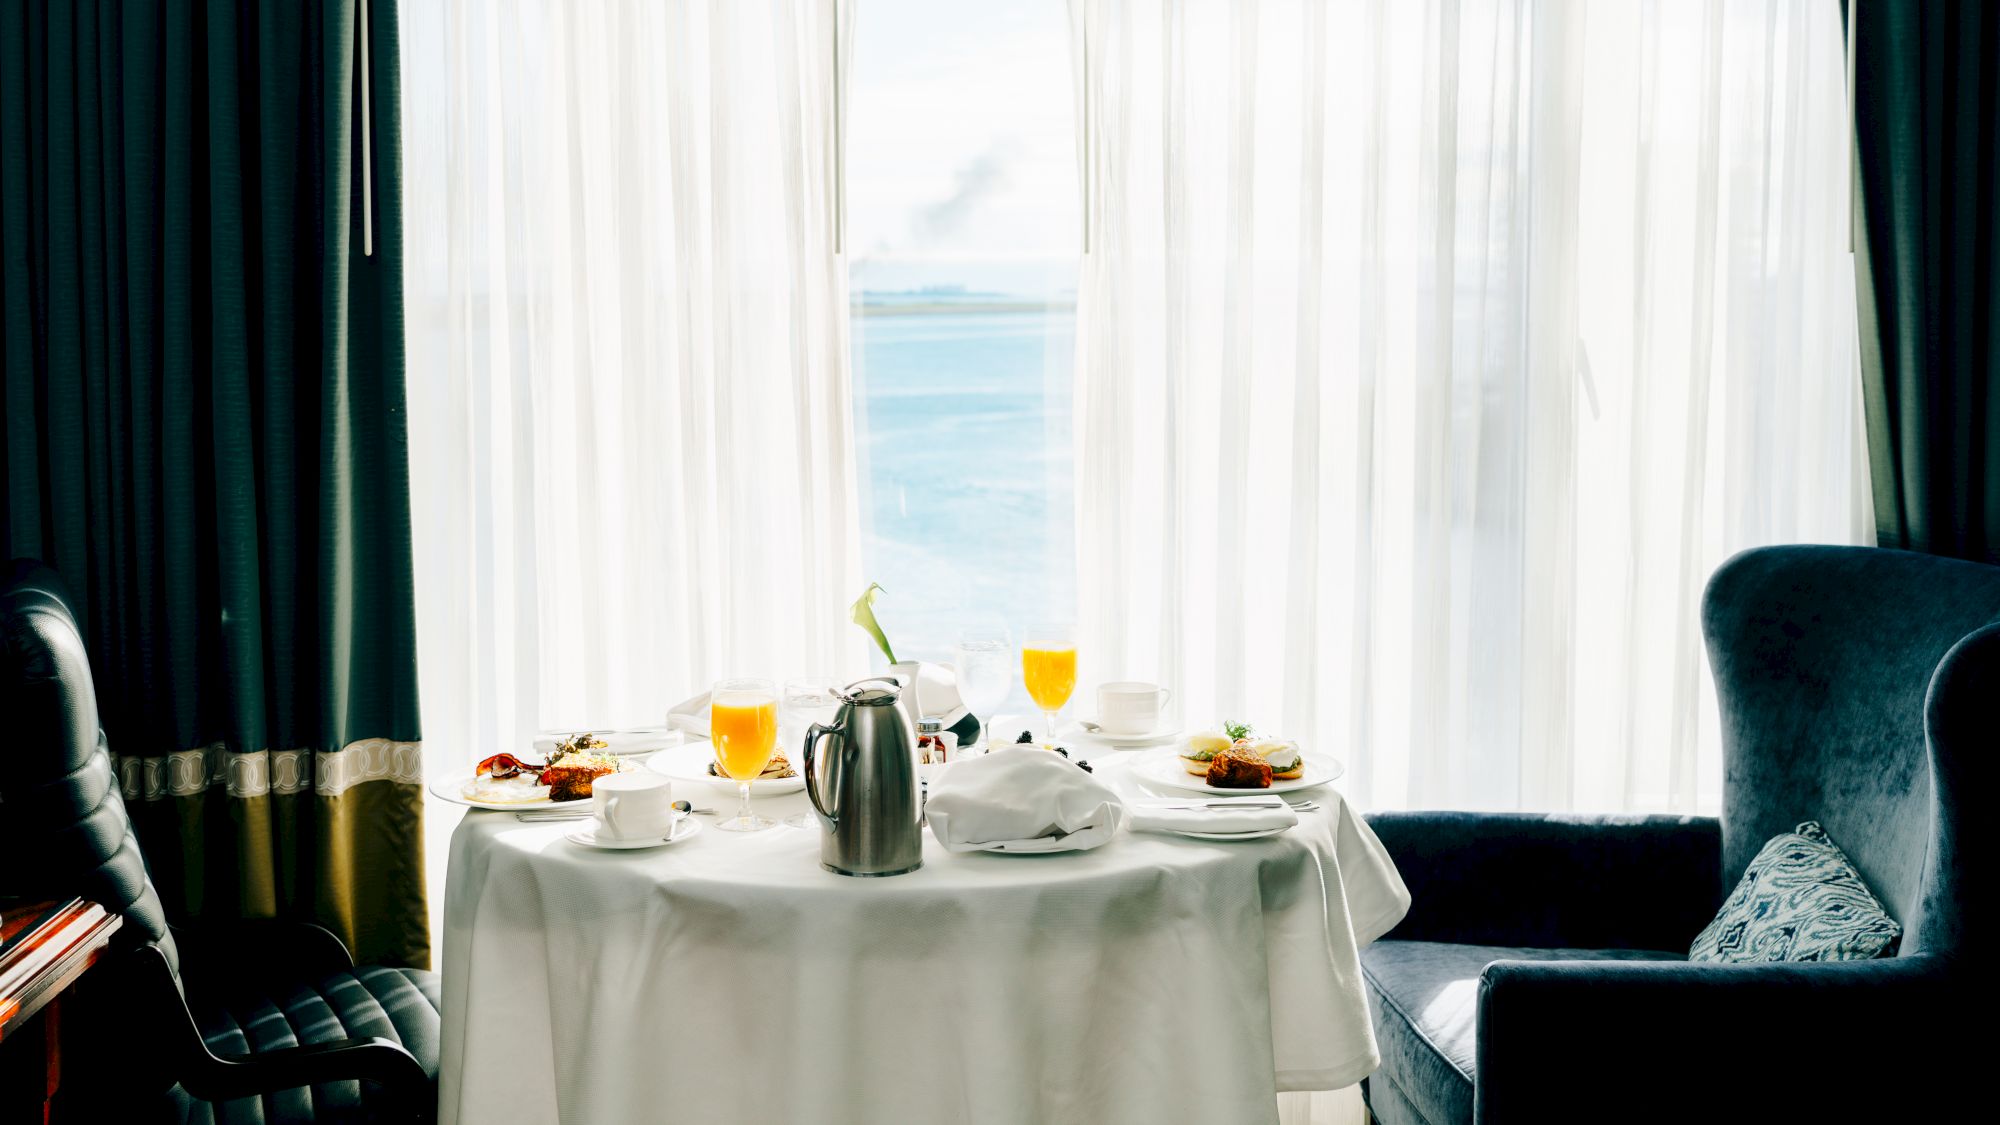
(1045, 845)
(1075, 730)
(1259, 834)
(451, 787)
(586, 834)
(690, 764)
(1164, 768)
(629, 740)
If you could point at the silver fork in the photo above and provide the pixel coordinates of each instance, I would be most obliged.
(1302, 806)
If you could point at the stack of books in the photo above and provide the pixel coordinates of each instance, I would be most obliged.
(36, 939)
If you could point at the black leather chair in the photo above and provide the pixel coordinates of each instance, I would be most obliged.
(264, 1021)
(1541, 974)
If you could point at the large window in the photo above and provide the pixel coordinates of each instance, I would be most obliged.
(962, 247)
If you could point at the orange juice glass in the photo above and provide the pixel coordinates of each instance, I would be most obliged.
(743, 726)
(1048, 668)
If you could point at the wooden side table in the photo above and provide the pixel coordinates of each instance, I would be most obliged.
(59, 942)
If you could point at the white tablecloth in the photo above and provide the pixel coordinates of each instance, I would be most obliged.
(728, 978)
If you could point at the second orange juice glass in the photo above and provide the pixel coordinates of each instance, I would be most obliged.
(1048, 669)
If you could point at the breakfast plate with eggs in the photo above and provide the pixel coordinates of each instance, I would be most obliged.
(505, 781)
(1235, 760)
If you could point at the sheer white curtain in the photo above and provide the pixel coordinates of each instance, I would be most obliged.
(631, 440)
(1432, 354)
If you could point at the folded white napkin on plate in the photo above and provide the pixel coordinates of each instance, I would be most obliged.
(1160, 814)
(1021, 801)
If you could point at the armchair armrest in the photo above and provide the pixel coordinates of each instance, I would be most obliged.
(1665, 1041)
(384, 1062)
(1555, 881)
(262, 949)
(188, 1059)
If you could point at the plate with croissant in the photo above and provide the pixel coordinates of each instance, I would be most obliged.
(695, 762)
(1236, 760)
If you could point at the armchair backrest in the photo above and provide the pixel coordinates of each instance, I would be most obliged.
(63, 824)
(1835, 708)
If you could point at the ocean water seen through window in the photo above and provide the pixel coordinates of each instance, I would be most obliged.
(963, 240)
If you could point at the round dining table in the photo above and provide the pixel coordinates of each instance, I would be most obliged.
(729, 978)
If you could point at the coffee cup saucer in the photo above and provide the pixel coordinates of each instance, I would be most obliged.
(1076, 729)
(586, 834)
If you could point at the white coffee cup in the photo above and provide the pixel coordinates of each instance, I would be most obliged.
(633, 806)
(1131, 706)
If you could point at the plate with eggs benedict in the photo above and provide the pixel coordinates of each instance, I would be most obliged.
(1235, 760)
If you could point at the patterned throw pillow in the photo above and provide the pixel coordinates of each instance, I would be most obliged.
(1800, 900)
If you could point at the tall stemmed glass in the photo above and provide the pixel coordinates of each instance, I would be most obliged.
(985, 668)
(1048, 667)
(743, 726)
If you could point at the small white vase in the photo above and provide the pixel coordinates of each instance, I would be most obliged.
(908, 674)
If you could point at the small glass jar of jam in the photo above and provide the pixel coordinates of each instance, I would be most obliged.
(935, 744)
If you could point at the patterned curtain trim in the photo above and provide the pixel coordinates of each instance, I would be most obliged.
(186, 773)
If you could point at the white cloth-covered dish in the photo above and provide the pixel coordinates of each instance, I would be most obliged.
(1021, 801)
(1156, 980)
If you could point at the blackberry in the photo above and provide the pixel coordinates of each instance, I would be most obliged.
(1026, 736)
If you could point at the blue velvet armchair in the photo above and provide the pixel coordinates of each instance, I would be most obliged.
(1541, 972)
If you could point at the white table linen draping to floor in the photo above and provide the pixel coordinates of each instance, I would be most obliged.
(1155, 980)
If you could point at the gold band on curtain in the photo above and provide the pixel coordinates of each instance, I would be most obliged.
(334, 837)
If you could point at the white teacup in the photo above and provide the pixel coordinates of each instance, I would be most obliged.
(1131, 706)
(633, 806)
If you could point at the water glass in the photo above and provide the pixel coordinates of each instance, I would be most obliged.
(985, 668)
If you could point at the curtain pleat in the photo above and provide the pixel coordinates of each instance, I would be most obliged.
(1431, 355)
(205, 435)
(638, 472)
(1926, 114)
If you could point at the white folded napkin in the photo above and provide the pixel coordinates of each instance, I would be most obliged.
(1160, 814)
(937, 689)
(1021, 801)
(690, 715)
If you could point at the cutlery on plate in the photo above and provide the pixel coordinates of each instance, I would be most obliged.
(584, 814)
(1207, 806)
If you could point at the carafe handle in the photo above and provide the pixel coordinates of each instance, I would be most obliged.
(830, 819)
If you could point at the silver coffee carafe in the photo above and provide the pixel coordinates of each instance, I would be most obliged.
(864, 786)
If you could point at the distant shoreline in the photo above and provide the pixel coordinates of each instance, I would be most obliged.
(946, 308)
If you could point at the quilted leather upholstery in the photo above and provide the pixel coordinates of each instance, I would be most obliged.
(399, 1004)
(57, 785)
(60, 802)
